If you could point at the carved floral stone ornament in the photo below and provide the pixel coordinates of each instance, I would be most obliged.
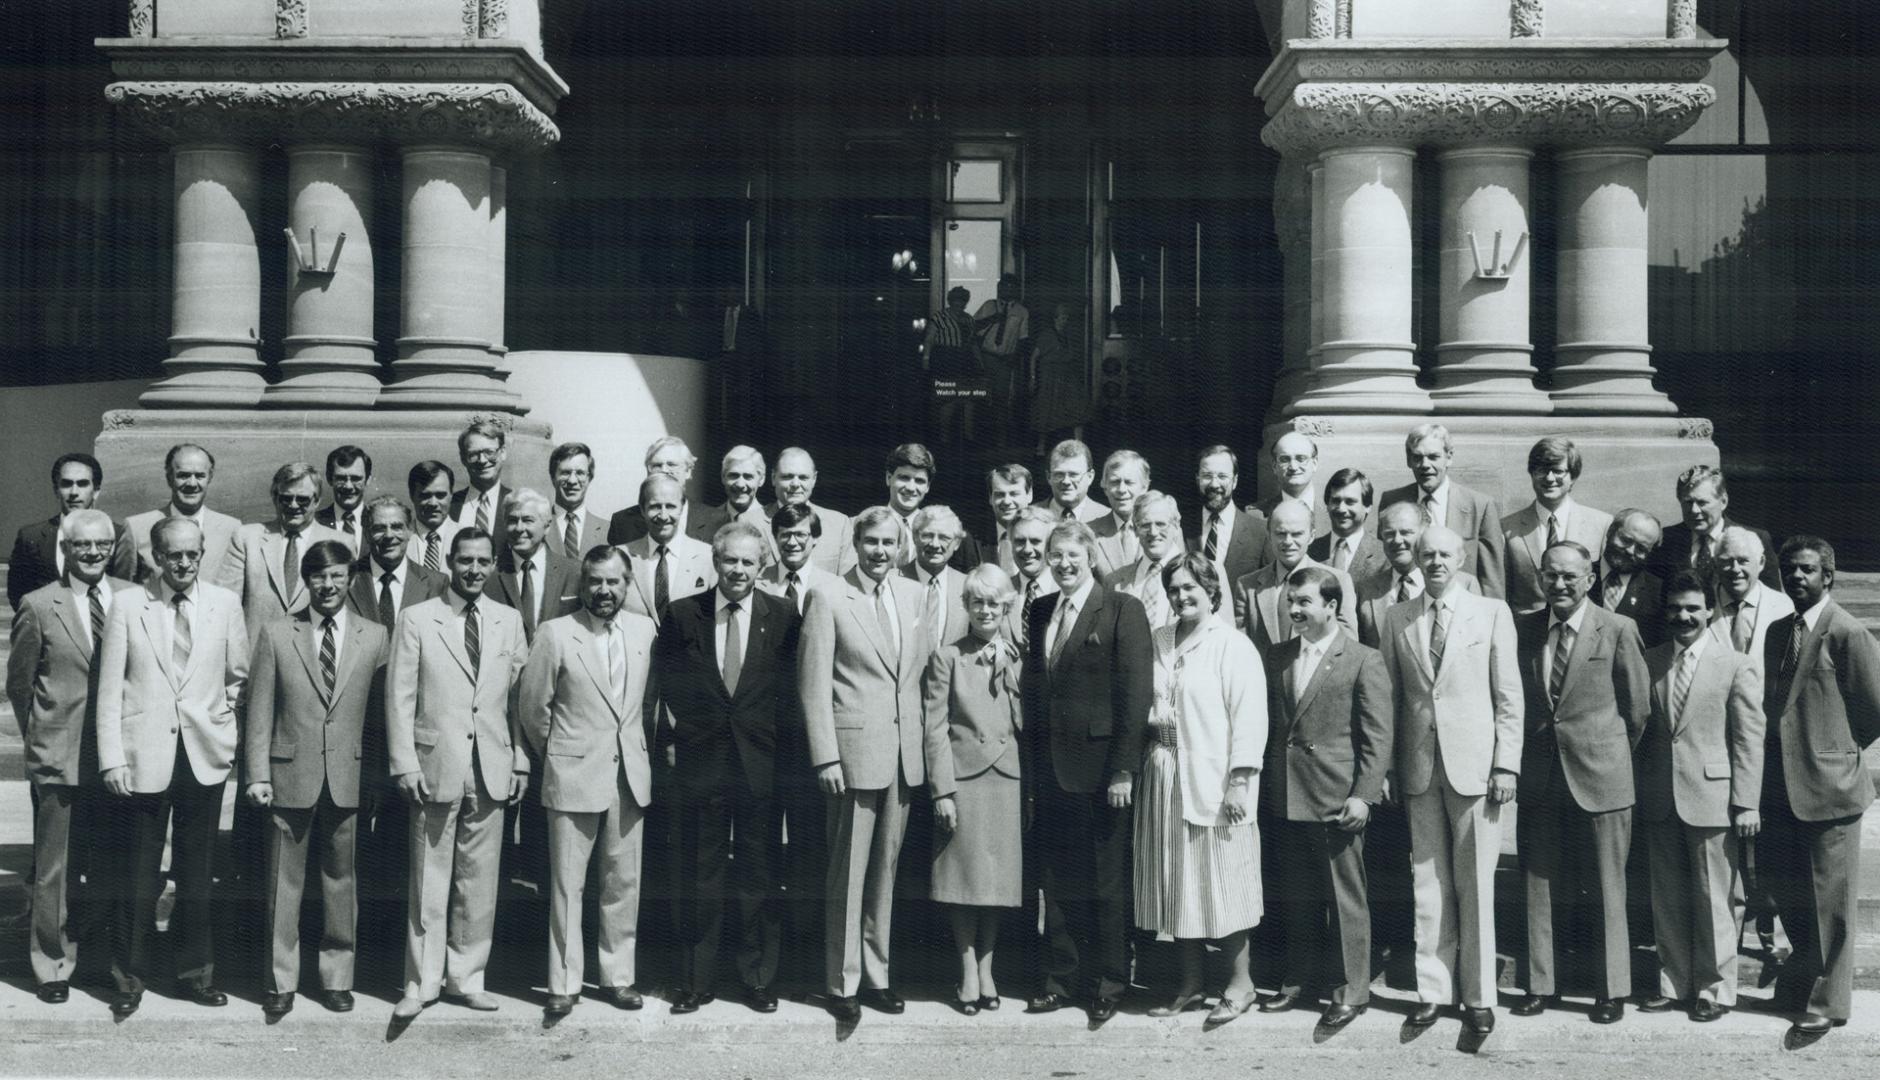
(1317, 427)
(1694, 427)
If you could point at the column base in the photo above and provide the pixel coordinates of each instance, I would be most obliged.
(206, 383)
(1607, 379)
(1631, 461)
(1487, 378)
(1362, 377)
(327, 372)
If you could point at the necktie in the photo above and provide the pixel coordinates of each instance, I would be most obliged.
(472, 638)
(483, 512)
(1613, 590)
(1681, 686)
(1553, 529)
(1403, 587)
(1429, 509)
(1439, 634)
(791, 591)
(1212, 546)
(1563, 649)
(180, 643)
(290, 567)
(885, 621)
(329, 656)
(388, 610)
(571, 543)
(433, 553)
(1742, 627)
(1305, 672)
(662, 592)
(1065, 618)
(97, 619)
(1024, 613)
(1793, 658)
(528, 599)
(352, 525)
(734, 649)
(616, 664)
(936, 608)
(1341, 554)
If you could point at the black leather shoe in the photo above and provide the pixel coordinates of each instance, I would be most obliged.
(54, 993)
(277, 1005)
(1336, 1016)
(1658, 1004)
(1608, 1010)
(761, 999)
(1102, 1009)
(689, 1001)
(1532, 1005)
(1704, 1011)
(883, 999)
(202, 995)
(125, 1002)
(1815, 1024)
(626, 997)
(1479, 1021)
(558, 1005)
(339, 1001)
(846, 1009)
(1044, 1003)
(1424, 1015)
(1280, 1002)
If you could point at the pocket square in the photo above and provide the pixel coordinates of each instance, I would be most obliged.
(1094, 640)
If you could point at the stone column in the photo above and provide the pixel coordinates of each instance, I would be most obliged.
(1366, 361)
(331, 357)
(444, 359)
(215, 311)
(1292, 225)
(498, 260)
(1484, 358)
(1602, 362)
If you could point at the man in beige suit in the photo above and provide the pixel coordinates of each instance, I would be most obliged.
(1746, 608)
(1125, 477)
(188, 469)
(1260, 597)
(864, 647)
(456, 757)
(263, 564)
(665, 563)
(582, 704)
(170, 674)
(1699, 789)
(57, 633)
(316, 690)
(1451, 657)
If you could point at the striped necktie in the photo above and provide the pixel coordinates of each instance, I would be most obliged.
(472, 638)
(483, 512)
(434, 552)
(97, 619)
(1212, 546)
(1439, 634)
(329, 656)
(1681, 685)
(571, 544)
(1563, 651)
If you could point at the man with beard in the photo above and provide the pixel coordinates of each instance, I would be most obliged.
(429, 484)
(742, 473)
(348, 471)
(574, 528)
(1622, 585)
(38, 551)
(1349, 547)
(189, 470)
(1125, 476)
(1232, 538)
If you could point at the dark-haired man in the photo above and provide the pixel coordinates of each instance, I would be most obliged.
(348, 472)
(38, 556)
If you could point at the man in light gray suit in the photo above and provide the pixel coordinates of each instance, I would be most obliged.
(189, 470)
(1451, 658)
(1746, 608)
(263, 564)
(937, 533)
(864, 647)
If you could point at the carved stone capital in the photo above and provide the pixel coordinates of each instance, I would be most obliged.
(290, 18)
(489, 115)
(495, 19)
(1525, 18)
(1318, 116)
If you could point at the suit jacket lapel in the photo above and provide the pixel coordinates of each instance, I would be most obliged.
(68, 618)
(1583, 644)
(348, 657)
(1413, 643)
(1811, 650)
(153, 615)
(1535, 537)
(305, 633)
(1081, 629)
(206, 632)
(862, 607)
(273, 549)
(757, 640)
(584, 643)
(453, 642)
(1333, 651)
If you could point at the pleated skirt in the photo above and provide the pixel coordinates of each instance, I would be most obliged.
(1192, 881)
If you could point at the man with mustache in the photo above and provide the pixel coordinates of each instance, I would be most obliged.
(1233, 538)
(1623, 584)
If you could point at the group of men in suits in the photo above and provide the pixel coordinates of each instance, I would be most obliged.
(487, 651)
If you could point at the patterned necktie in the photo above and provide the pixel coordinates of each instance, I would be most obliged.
(1742, 626)
(1403, 587)
(528, 599)
(181, 639)
(1563, 650)
(1212, 546)
(473, 638)
(290, 567)
(1614, 590)
(1792, 659)
(433, 553)
(885, 622)
(791, 591)
(1681, 686)
(1429, 509)
(1065, 618)
(734, 649)
(1024, 613)
(662, 592)
(1439, 634)
(97, 619)
(329, 656)
(388, 609)
(483, 512)
(1553, 529)
(571, 543)
(352, 526)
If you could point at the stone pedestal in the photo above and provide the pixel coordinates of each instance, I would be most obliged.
(331, 357)
(215, 311)
(497, 262)
(1484, 358)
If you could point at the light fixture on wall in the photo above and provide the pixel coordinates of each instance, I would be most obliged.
(308, 262)
(1496, 270)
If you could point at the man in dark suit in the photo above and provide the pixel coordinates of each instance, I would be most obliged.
(1008, 491)
(1588, 695)
(1233, 538)
(1821, 698)
(1349, 546)
(574, 528)
(348, 471)
(1088, 685)
(1470, 514)
(667, 455)
(481, 448)
(1621, 582)
(50, 679)
(1328, 748)
(316, 687)
(1694, 543)
(727, 666)
(429, 483)
(530, 575)
(38, 559)
(911, 469)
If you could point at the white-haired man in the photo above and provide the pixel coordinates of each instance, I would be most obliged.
(742, 473)
(667, 455)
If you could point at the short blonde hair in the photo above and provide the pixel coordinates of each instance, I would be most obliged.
(988, 581)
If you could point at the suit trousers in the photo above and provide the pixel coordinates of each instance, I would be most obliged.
(456, 858)
(1564, 849)
(1813, 870)
(729, 837)
(327, 834)
(804, 870)
(865, 829)
(1455, 841)
(1387, 880)
(1084, 845)
(1320, 868)
(1697, 909)
(55, 869)
(614, 840)
(145, 820)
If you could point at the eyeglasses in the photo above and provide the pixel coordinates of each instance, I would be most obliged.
(179, 557)
(480, 455)
(90, 545)
(294, 500)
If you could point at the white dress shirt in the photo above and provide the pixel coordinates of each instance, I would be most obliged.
(81, 595)
(1812, 617)
(414, 549)
(493, 498)
(721, 626)
(881, 594)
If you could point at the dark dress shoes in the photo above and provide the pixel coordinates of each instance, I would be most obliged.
(1816, 1024)
(1102, 1009)
(1336, 1016)
(338, 1001)
(1532, 1005)
(1479, 1021)
(761, 998)
(689, 1001)
(1280, 1002)
(558, 1005)
(202, 995)
(1424, 1015)
(1704, 1011)
(54, 993)
(1608, 1010)
(626, 997)
(1046, 1002)
(1657, 1004)
(277, 1004)
(884, 1000)
(845, 1008)
(125, 1002)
